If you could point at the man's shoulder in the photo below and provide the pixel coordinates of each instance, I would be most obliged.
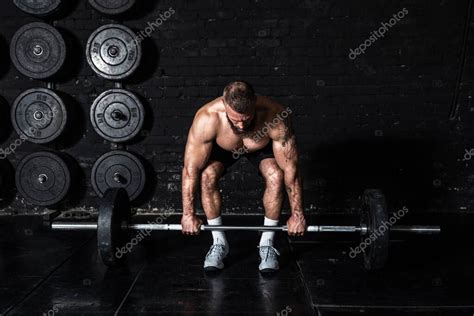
(207, 117)
(275, 117)
(269, 107)
(265, 103)
(211, 108)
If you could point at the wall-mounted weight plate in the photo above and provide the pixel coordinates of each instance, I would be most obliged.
(118, 169)
(38, 50)
(39, 115)
(43, 178)
(38, 7)
(117, 115)
(375, 216)
(113, 52)
(7, 179)
(112, 7)
(114, 213)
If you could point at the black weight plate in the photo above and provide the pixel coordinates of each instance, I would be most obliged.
(113, 52)
(38, 50)
(114, 212)
(112, 7)
(39, 115)
(374, 216)
(43, 178)
(38, 7)
(4, 119)
(7, 176)
(117, 115)
(118, 169)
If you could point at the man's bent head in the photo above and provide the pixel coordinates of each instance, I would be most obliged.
(239, 101)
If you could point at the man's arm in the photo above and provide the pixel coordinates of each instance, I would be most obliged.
(286, 155)
(198, 150)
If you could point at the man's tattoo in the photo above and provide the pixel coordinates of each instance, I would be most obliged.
(289, 142)
(287, 130)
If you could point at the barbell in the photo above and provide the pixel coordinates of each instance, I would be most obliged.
(417, 229)
(115, 214)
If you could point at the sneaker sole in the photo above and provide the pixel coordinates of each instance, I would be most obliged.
(268, 271)
(212, 269)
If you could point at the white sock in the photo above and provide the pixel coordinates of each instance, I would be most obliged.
(267, 237)
(219, 237)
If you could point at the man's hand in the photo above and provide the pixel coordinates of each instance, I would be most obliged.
(191, 224)
(296, 224)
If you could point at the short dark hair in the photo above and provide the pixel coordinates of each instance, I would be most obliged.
(240, 96)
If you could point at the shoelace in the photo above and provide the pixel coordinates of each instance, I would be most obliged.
(269, 251)
(216, 250)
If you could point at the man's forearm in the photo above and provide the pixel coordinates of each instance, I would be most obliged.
(294, 188)
(189, 187)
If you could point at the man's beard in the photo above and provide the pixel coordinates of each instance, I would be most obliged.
(243, 131)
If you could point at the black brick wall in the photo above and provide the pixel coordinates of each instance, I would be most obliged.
(398, 117)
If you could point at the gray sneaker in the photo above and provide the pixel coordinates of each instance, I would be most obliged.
(215, 257)
(268, 259)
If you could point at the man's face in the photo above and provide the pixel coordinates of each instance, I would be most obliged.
(240, 123)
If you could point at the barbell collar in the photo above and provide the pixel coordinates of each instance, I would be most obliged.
(73, 226)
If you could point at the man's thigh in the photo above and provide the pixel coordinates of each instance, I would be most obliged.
(223, 157)
(258, 158)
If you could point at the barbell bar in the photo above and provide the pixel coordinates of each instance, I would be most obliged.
(362, 229)
(115, 213)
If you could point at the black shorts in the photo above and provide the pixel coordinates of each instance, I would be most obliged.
(228, 158)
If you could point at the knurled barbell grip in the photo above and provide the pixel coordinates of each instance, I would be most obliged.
(178, 227)
(246, 228)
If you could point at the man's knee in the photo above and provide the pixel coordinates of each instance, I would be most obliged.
(209, 179)
(274, 177)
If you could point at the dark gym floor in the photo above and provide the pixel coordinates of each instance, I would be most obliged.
(60, 273)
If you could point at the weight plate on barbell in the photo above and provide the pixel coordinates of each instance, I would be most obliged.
(112, 7)
(117, 115)
(39, 115)
(38, 7)
(374, 216)
(114, 212)
(43, 178)
(118, 169)
(38, 50)
(113, 52)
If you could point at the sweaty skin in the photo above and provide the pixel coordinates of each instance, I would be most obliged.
(232, 131)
